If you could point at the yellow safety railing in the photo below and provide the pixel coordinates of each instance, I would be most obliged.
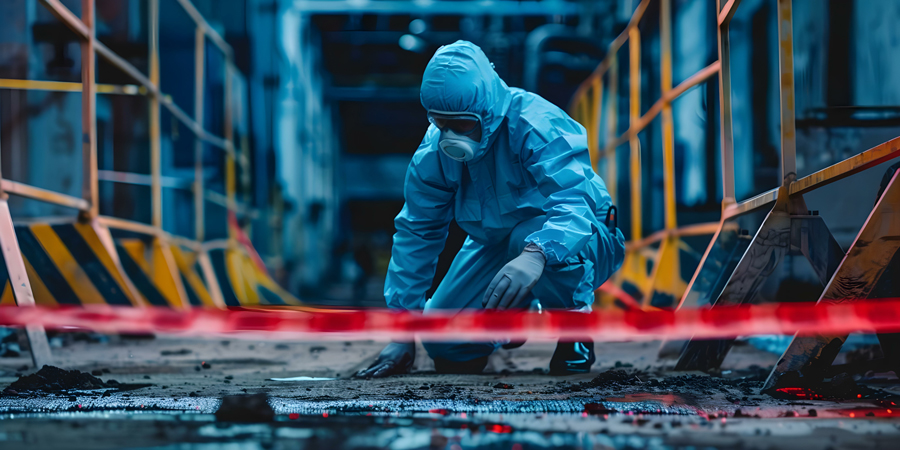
(163, 265)
(245, 271)
(147, 86)
(586, 106)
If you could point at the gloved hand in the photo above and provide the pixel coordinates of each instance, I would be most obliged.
(514, 281)
(396, 358)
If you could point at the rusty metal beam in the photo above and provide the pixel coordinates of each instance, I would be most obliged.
(199, 87)
(698, 229)
(116, 223)
(89, 181)
(62, 86)
(751, 204)
(21, 286)
(727, 12)
(867, 159)
(156, 196)
(786, 88)
(593, 121)
(725, 118)
(701, 76)
(668, 127)
(19, 282)
(66, 16)
(230, 172)
(44, 195)
(142, 179)
(238, 207)
(123, 65)
(614, 47)
(700, 265)
(634, 83)
(204, 27)
(130, 225)
(718, 270)
(612, 125)
(855, 164)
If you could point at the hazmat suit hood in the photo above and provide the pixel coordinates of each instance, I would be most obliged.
(460, 78)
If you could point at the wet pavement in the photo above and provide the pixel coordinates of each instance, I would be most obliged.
(166, 391)
(135, 429)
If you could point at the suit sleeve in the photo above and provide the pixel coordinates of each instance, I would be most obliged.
(561, 166)
(422, 228)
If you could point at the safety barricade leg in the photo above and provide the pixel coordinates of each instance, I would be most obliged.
(718, 262)
(17, 286)
(859, 273)
(789, 229)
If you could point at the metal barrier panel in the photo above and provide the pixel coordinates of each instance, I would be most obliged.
(242, 282)
(72, 266)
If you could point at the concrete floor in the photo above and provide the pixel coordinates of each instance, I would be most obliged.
(514, 392)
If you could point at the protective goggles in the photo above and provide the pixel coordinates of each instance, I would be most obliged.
(462, 124)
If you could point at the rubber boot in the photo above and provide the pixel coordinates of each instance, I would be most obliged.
(471, 367)
(572, 357)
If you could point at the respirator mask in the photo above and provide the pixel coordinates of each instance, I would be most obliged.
(460, 133)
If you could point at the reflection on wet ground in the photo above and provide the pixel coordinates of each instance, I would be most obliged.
(638, 420)
(200, 431)
(455, 431)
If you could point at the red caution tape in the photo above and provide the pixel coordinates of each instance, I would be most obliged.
(605, 325)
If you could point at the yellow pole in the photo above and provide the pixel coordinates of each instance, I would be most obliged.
(155, 143)
(199, 86)
(612, 123)
(634, 47)
(230, 179)
(728, 195)
(90, 181)
(786, 88)
(594, 113)
(668, 141)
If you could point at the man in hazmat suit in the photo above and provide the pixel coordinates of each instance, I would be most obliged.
(514, 171)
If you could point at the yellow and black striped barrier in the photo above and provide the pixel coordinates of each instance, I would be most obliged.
(188, 264)
(67, 264)
(151, 267)
(243, 282)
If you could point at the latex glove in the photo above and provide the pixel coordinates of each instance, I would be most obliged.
(514, 281)
(397, 358)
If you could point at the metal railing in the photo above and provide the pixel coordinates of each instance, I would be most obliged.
(586, 106)
(147, 86)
